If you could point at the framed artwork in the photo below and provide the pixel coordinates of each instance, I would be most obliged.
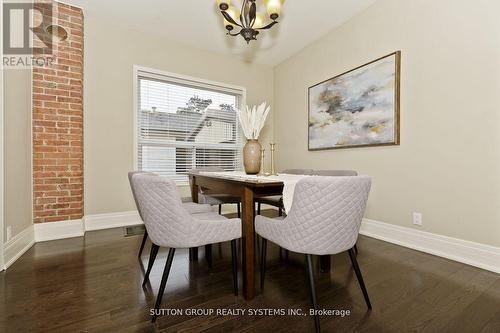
(358, 108)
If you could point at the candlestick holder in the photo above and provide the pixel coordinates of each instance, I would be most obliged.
(273, 165)
(261, 171)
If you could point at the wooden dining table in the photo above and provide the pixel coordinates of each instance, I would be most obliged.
(248, 190)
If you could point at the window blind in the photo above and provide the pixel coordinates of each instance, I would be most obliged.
(183, 124)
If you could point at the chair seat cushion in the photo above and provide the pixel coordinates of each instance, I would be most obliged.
(209, 216)
(194, 208)
(218, 199)
(273, 200)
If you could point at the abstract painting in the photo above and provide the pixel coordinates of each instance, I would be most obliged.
(358, 108)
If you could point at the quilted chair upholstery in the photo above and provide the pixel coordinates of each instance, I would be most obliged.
(324, 219)
(169, 224)
(335, 173)
(325, 216)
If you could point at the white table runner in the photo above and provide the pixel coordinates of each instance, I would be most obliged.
(289, 182)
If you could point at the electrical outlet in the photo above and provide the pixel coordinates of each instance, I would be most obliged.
(9, 233)
(417, 218)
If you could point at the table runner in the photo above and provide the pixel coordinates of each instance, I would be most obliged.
(289, 182)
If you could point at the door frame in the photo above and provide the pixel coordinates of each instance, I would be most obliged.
(2, 263)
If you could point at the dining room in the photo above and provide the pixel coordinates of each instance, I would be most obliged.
(250, 166)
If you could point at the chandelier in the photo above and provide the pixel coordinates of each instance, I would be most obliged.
(248, 20)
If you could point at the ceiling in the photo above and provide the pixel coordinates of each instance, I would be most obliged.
(198, 23)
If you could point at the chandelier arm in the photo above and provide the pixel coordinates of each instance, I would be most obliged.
(244, 14)
(253, 13)
(233, 34)
(229, 18)
(269, 26)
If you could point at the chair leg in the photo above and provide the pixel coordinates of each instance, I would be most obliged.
(280, 211)
(239, 209)
(258, 208)
(234, 256)
(263, 262)
(144, 238)
(163, 283)
(356, 249)
(208, 254)
(220, 209)
(152, 257)
(313, 290)
(354, 262)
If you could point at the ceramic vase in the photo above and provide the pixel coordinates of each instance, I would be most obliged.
(251, 157)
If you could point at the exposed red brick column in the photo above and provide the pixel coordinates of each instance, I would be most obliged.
(58, 125)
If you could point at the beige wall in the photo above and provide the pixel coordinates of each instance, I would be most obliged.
(17, 150)
(447, 166)
(110, 54)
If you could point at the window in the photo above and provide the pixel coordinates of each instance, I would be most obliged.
(185, 123)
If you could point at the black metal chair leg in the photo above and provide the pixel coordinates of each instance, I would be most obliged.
(263, 262)
(258, 208)
(234, 256)
(220, 209)
(281, 253)
(144, 238)
(208, 254)
(354, 262)
(163, 283)
(313, 290)
(152, 257)
(356, 249)
(280, 211)
(239, 210)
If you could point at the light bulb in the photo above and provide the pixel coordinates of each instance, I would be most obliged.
(259, 21)
(235, 14)
(223, 4)
(273, 8)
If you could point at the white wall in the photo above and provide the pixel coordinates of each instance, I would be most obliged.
(17, 150)
(110, 53)
(447, 166)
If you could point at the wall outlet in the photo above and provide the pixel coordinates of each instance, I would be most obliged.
(9, 233)
(417, 218)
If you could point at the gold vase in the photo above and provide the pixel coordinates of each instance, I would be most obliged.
(251, 157)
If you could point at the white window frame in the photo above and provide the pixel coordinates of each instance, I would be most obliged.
(174, 77)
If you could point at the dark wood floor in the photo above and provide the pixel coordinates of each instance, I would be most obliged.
(93, 284)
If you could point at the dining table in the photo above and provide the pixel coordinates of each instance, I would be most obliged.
(248, 189)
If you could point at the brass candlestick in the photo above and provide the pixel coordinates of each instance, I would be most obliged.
(261, 172)
(273, 166)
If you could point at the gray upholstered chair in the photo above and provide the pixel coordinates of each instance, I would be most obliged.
(324, 219)
(214, 199)
(335, 173)
(276, 200)
(170, 225)
(191, 207)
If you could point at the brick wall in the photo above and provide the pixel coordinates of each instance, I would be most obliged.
(58, 125)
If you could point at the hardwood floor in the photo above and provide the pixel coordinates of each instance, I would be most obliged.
(93, 284)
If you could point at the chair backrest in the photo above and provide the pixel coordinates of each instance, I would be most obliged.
(298, 171)
(326, 214)
(337, 173)
(130, 175)
(167, 222)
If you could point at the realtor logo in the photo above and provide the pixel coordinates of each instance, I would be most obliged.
(26, 40)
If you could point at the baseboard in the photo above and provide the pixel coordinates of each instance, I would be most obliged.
(111, 220)
(475, 254)
(58, 230)
(18, 245)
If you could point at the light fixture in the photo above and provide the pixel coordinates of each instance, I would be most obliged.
(58, 32)
(248, 19)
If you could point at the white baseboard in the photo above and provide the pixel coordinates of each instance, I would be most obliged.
(18, 245)
(58, 230)
(475, 254)
(111, 220)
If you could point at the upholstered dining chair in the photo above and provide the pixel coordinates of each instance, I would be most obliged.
(191, 207)
(214, 199)
(324, 219)
(335, 173)
(170, 225)
(276, 200)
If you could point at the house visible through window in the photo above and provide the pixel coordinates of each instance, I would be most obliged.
(183, 123)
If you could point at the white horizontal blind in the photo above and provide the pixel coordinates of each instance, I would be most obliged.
(183, 124)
